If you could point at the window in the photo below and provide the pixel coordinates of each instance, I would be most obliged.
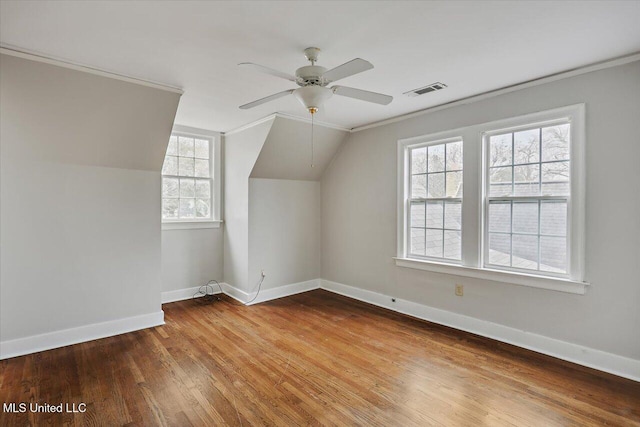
(435, 220)
(188, 179)
(520, 218)
(528, 177)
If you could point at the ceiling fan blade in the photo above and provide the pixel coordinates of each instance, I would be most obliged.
(363, 95)
(267, 70)
(347, 69)
(266, 99)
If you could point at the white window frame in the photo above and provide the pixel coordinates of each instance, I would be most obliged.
(409, 199)
(475, 201)
(215, 220)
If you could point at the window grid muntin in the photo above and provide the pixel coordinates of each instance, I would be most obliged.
(425, 200)
(211, 199)
(540, 198)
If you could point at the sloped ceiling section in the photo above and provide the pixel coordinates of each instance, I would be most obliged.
(286, 153)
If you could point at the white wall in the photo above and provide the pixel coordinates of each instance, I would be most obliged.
(191, 258)
(359, 217)
(241, 150)
(284, 231)
(80, 189)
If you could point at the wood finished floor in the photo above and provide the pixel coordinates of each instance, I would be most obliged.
(311, 359)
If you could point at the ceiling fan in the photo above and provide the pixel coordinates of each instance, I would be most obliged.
(313, 81)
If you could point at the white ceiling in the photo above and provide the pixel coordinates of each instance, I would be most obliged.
(473, 47)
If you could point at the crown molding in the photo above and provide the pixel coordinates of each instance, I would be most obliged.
(39, 57)
(288, 117)
(518, 86)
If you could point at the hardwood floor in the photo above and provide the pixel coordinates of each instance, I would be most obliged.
(315, 358)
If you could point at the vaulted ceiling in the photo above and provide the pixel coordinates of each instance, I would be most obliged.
(473, 47)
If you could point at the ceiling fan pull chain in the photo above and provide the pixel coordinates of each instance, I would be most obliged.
(312, 137)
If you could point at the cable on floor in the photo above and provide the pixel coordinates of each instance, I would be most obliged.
(206, 294)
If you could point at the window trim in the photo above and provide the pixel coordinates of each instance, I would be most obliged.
(215, 221)
(408, 148)
(474, 178)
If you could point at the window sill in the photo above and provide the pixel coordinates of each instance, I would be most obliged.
(193, 225)
(551, 283)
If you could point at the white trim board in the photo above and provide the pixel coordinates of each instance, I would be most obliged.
(56, 339)
(186, 293)
(271, 293)
(585, 356)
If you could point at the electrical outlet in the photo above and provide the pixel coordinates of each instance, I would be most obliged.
(459, 290)
(262, 273)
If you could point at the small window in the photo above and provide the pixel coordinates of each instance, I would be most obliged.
(187, 179)
(527, 199)
(435, 200)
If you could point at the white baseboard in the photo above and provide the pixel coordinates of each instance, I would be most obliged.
(592, 358)
(51, 340)
(270, 294)
(183, 294)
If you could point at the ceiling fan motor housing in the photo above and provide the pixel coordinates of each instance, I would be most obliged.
(310, 75)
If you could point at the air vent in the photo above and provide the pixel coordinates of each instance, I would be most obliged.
(431, 88)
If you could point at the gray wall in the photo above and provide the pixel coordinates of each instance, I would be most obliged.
(241, 151)
(191, 257)
(80, 186)
(284, 231)
(359, 217)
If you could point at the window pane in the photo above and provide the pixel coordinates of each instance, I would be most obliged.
(553, 254)
(435, 161)
(453, 215)
(454, 184)
(525, 217)
(500, 216)
(418, 186)
(555, 143)
(526, 180)
(434, 243)
(553, 218)
(500, 181)
(454, 156)
(185, 146)
(525, 252)
(170, 208)
(202, 168)
(555, 179)
(434, 215)
(170, 187)
(436, 185)
(499, 249)
(419, 160)
(170, 166)
(452, 244)
(418, 214)
(185, 166)
(203, 208)
(187, 208)
(187, 187)
(172, 148)
(500, 150)
(417, 241)
(526, 146)
(202, 148)
(203, 189)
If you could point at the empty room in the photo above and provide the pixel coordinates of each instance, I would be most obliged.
(289, 213)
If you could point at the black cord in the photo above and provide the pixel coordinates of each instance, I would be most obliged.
(256, 296)
(203, 295)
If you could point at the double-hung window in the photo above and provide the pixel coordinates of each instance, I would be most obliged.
(189, 183)
(527, 198)
(435, 200)
(520, 218)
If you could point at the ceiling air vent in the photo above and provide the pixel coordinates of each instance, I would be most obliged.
(430, 88)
